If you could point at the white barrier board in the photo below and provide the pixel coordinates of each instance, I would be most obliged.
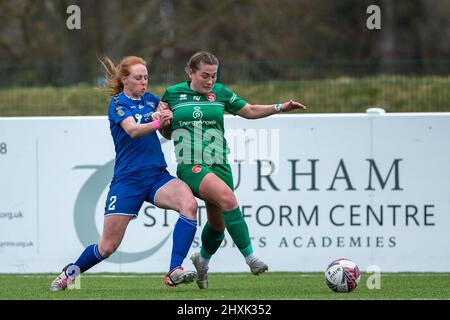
(312, 188)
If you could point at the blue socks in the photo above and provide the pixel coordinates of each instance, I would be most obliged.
(183, 235)
(89, 258)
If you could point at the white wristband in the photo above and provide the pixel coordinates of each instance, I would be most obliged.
(277, 107)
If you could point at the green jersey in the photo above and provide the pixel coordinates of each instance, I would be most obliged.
(198, 123)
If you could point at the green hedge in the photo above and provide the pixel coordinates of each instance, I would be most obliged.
(393, 93)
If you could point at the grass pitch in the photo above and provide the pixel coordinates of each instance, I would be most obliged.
(226, 286)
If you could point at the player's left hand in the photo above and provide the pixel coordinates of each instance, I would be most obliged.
(292, 105)
(165, 117)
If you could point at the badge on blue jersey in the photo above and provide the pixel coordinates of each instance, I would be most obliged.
(119, 111)
(151, 104)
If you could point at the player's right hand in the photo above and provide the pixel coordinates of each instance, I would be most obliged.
(163, 106)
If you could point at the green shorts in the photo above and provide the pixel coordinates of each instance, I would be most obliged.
(193, 174)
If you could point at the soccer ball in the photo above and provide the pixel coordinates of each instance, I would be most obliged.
(342, 275)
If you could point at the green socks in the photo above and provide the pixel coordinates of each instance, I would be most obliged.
(211, 240)
(238, 230)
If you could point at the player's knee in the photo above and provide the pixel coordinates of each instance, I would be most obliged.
(228, 201)
(189, 208)
(107, 249)
(217, 224)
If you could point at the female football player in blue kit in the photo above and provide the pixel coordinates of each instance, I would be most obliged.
(139, 174)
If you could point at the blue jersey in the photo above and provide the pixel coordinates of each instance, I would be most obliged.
(134, 154)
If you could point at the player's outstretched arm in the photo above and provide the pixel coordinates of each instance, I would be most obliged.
(256, 111)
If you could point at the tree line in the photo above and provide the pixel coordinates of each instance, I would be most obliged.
(167, 32)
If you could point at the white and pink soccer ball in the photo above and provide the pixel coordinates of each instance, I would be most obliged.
(342, 275)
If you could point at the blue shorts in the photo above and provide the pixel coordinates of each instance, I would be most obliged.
(128, 192)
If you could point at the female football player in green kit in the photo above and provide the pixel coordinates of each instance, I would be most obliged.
(197, 128)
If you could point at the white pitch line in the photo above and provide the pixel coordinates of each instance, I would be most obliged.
(389, 274)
